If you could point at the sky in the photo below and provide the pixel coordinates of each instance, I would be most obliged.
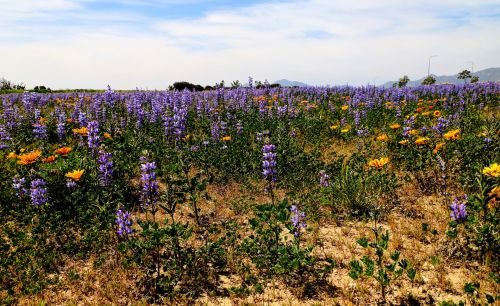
(150, 44)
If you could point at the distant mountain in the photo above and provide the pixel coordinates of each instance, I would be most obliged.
(287, 83)
(486, 75)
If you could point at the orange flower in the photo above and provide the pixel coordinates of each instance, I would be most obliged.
(419, 109)
(42, 120)
(63, 151)
(413, 132)
(437, 113)
(494, 195)
(81, 131)
(395, 126)
(422, 140)
(403, 142)
(344, 107)
(107, 135)
(452, 135)
(75, 175)
(69, 120)
(29, 158)
(226, 138)
(438, 147)
(378, 163)
(49, 159)
(382, 138)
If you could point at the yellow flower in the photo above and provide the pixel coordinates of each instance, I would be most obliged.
(334, 126)
(81, 131)
(29, 158)
(382, 138)
(493, 170)
(425, 114)
(345, 130)
(63, 151)
(438, 147)
(403, 142)
(344, 107)
(12, 155)
(395, 126)
(378, 163)
(75, 175)
(226, 138)
(422, 140)
(437, 113)
(413, 132)
(452, 135)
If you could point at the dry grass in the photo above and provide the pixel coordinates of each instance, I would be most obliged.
(439, 278)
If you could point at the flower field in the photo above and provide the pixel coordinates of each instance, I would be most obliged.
(285, 196)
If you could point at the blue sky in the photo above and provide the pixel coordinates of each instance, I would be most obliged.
(153, 43)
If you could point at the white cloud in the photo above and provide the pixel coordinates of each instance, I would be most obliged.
(356, 42)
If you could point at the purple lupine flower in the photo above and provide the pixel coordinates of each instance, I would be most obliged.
(124, 222)
(195, 148)
(298, 220)
(324, 179)
(487, 141)
(239, 127)
(458, 210)
(292, 134)
(215, 131)
(40, 131)
(149, 192)
(38, 192)
(18, 186)
(71, 184)
(4, 136)
(93, 135)
(82, 118)
(269, 162)
(105, 168)
(362, 132)
(259, 137)
(61, 130)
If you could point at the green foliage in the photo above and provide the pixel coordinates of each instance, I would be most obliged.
(430, 80)
(464, 75)
(384, 268)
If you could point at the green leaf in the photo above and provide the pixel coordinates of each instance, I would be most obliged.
(363, 242)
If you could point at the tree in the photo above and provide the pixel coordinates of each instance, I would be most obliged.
(402, 82)
(235, 84)
(464, 75)
(474, 79)
(180, 86)
(429, 80)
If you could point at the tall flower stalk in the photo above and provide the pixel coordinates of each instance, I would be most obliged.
(149, 191)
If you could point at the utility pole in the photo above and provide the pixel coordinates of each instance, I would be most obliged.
(429, 66)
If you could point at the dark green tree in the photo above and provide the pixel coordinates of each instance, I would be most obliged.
(464, 75)
(402, 82)
(429, 80)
